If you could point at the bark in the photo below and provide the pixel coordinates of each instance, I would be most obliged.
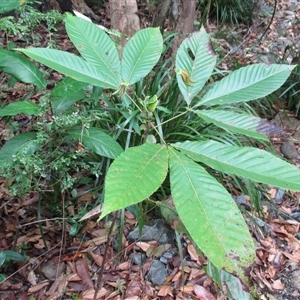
(185, 23)
(124, 18)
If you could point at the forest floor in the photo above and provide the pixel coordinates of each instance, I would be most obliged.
(62, 267)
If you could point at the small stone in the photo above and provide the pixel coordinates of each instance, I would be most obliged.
(289, 151)
(52, 270)
(138, 258)
(170, 253)
(163, 260)
(155, 230)
(295, 215)
(157, 273)
(279, 195)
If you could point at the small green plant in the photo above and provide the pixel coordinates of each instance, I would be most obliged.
(227, 11)
(7, 256)
(178, 127)
(28, 18)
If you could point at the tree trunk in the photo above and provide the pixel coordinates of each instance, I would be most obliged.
(185, 23)
(124, 18)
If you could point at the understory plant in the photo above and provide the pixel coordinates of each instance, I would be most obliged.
(171, 132)
(26, 19)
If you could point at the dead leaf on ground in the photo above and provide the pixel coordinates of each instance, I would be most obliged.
(82, 269)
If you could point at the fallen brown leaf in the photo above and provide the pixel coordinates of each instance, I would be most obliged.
(82, 269)
(203, 293)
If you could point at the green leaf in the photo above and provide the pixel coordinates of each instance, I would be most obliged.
(140, 54)
(23, 141)
(248, 162)
(65, 93)
(247, 83)
(234, 122)
(14, 108)
(21, 68)
(97, 141)
(234, 286)
(96, 47)
(12, 255)
(135, 175)
(67, 86)
(8, 5)
(70, 65)
(195, 56)
(210, 215)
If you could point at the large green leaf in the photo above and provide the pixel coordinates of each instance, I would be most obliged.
(21, 68)
(18, 143)
(70, 65)
(240, 123)
(65, 93)
(97, 141)
(210, 215)
(247, 83)
(95, 46)
(196, 57)
(135, 175)
(248, 162)
(140, 54)
(14, 108)
(7, 5)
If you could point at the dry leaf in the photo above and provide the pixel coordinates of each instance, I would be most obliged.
(82, 270)
(89, 294)
(203, 293)
(143, 245)
(277, 285)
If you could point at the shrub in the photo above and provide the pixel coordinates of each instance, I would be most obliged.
(177, 127)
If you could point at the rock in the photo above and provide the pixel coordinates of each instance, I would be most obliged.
(289, 150)
(279, 195)
(138, 258)
(170, 253)
(295, 215)
(163, 260)
(155, 230)
(157, 273)
(52, 270)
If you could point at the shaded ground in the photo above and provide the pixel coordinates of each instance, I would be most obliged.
(69, 269)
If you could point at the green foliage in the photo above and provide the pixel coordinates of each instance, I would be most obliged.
(8, 255)
(6, 6)
(28, 19)
(228, 11)
(21, 68)
(172, 137)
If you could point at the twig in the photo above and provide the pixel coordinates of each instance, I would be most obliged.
(270, 23)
